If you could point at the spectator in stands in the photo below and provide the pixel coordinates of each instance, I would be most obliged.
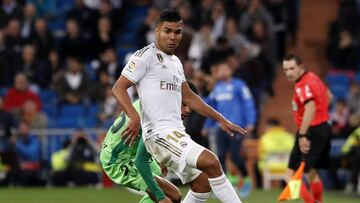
(55, 65)
(236, 39)
(28, 21)
(84, 16)
(9, 10)
(146, 31)
(220, 51)
(108, 108)
(32, 117)
(201, 43)
(255, 12)
(83, 161)
(37, 73)
(28, 150)
(107, 10)
(232, 98)
(97, 91)
(8, 160)
(351, 150)
(7, 121)
(353, 98)
(108, 63)
(218, 17)
(344, 52)
(339, 117)
(13, 48)
(73, 83)
(275, 141)
(104, 37)
(59, 164)
(16, 96)
(42, 39)
(260, 34)
(73, 44)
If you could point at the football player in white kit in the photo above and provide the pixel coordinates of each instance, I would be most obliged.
(160, 82)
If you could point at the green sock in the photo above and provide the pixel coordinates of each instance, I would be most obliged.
(146, 199)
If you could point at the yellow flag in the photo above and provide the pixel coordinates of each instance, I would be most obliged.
(292, 189)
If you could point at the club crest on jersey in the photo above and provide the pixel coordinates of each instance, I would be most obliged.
(183, 144)
(160, 58)
(131, 66)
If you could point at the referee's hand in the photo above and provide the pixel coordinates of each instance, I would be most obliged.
(304, 145)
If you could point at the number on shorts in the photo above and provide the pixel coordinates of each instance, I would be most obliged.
(177, 136)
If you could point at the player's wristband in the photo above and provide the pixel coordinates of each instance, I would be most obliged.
(299, 135)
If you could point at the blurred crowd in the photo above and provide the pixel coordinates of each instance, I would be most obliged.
(60, 58)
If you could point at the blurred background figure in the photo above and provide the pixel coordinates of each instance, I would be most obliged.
(232, 98)
(19, 94)
(83, 160)
(274, 150)
(28, 150)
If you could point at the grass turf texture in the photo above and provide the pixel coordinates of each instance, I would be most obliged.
(120, 195)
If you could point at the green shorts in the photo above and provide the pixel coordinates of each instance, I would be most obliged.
(126, 174)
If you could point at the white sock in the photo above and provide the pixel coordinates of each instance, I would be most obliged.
(194, 197)
(223, 190)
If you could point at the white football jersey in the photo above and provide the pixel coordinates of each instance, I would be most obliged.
(158, 78)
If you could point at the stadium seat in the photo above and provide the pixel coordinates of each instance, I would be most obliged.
(69, 110)
(275, 167)
(339, 84)
(3, 91)
(48, 96)
(357, 77)
(69, 122)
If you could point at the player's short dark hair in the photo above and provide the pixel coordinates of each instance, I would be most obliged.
(192, 87)
(170, 15)
(290, 57)
(273, 122)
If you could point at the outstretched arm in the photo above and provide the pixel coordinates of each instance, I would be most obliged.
(198, 105)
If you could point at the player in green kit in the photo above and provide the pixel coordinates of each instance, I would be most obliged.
(132, 166)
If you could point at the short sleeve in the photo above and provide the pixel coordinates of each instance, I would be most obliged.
(135, 69)
(304, 93)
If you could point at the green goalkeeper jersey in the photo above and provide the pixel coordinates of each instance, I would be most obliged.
(119, 160)
(113, 142)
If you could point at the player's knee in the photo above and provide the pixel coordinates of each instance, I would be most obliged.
(175, 195)
(212, 167)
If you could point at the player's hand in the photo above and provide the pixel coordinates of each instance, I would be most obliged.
(131, 130)
(304, 145)
(164, 171)
(166, 200)
(204, 132)
(230, 128)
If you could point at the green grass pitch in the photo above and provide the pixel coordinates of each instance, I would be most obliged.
(120, 195)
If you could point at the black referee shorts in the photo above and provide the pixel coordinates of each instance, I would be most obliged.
(318, 155)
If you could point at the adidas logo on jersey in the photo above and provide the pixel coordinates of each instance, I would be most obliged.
(163, 67)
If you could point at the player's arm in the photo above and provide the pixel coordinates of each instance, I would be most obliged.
(197, 104)
(121, 94)
(330, 96)
(309, 114)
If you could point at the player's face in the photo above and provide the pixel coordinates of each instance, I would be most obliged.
(292, 70)
(185, 111)
(168, 36)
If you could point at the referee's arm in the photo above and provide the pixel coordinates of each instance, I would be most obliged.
(309, 115)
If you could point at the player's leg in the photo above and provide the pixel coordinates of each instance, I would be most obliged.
(220, 185)
(294, 163)
(235, 146)
(199, 190)
(148, 168)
